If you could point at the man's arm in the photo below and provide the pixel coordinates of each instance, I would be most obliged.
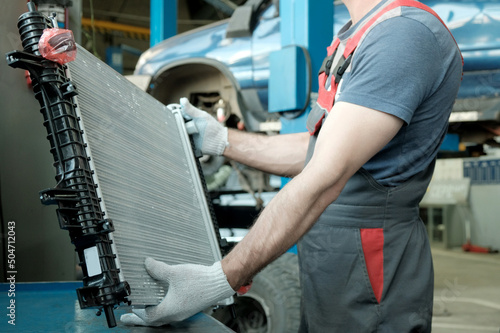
(350, 136)
(282, 155)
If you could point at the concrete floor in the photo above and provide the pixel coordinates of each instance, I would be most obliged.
(467, 291)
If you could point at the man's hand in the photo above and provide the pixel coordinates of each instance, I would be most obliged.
(191, 289)
(211, 138)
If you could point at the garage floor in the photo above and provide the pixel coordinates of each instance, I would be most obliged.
(467, 291)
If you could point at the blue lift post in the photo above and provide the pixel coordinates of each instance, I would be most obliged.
(304, 24)
(163, 23)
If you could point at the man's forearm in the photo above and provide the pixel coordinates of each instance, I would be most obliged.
(282, 155)
(282, 223)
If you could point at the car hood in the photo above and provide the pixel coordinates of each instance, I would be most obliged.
(194, 43)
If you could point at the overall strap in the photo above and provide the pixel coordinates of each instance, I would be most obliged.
(326, 97)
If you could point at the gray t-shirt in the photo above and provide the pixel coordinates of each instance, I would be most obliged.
(408, 66)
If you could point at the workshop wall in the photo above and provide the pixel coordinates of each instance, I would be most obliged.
(191, 14)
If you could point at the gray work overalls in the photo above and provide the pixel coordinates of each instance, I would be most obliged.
(366, 264)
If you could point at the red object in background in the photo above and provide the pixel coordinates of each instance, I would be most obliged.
(58, 45)
(468, 247)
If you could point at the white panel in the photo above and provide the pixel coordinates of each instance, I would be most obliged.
(92, 261)
(448, 169)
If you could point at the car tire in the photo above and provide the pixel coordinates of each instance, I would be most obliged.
(273, 303)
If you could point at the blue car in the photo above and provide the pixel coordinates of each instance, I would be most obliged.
(227, 73)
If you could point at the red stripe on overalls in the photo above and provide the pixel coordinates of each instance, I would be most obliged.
(372, 241)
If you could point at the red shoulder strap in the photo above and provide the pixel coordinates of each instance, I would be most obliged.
(330, 49)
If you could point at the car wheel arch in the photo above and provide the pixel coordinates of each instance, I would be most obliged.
(202, 75)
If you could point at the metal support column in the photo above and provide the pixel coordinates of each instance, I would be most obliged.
(305, 24)
(75, 20)
(306, 31)
(163, 20)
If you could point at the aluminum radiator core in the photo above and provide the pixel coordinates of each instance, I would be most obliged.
(147, 175)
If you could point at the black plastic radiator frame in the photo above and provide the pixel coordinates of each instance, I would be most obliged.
(75, 193)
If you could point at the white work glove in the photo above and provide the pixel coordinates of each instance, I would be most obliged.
(191, 289)
(211, 138)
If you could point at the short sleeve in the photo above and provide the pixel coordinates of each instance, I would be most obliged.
(394, 69)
